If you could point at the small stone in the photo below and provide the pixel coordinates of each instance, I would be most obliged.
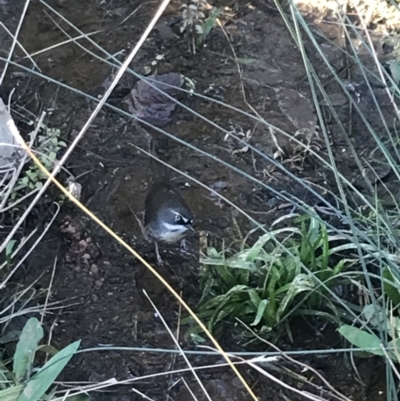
(146, 70)
(98, 283)
(86, 257)
(8, 153)
(75, 189)
(94, 269)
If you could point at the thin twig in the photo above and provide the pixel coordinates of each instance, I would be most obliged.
(10, 54)
(178, 346)
(65, 42)
(49, 289)
(5, 281)
(21, 47)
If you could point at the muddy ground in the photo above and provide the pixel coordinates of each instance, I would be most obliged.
(99, 283)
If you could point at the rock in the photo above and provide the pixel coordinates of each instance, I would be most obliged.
(8, 153)
(151, 105)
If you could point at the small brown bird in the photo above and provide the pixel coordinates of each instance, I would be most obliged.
(167, 217)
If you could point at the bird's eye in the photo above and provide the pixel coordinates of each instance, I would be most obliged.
(178, 218)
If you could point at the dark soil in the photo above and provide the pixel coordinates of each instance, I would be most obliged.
(102, 286)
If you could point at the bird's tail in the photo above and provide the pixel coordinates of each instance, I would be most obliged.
(158, 169)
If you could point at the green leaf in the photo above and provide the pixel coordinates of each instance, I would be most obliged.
(390, 290)
(238, 289)
(46, 375)
(11, 393)
(255, 298)
(300, 284)
(224, 273)
(314, 234)
(212, 253)
(197, 338)
(31, 174)
(227, 309)
(49, 349)
(271, 308)
(207, 286)
(361, 339)
(27, 345)
(260, 312)
(339, 267)
(307, 252)
(213, 303)
(9, 248)
(52, 156)
(209, 23)
(255, 250)
(239, 261)
(324, 258)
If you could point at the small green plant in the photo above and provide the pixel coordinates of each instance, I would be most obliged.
(195, 23)
(49, 144)
(192, 16)
(208, 24)
(26, 382)
(261, 284)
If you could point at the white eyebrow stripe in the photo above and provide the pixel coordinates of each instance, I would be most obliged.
(185, 219)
